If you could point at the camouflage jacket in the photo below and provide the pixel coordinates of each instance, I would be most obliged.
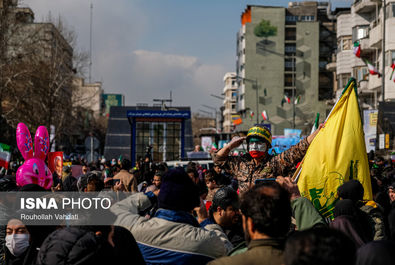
(244, 169)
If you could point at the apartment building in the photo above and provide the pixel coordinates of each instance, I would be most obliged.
(363, 23)
(289, 61)
(230, 101)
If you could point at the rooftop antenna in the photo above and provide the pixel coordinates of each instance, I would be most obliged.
(90, 46)
(162, 101)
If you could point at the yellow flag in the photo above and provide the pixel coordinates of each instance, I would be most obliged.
(336, 155)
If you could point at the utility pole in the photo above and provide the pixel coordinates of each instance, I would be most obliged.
(90, 46)
(383, 56)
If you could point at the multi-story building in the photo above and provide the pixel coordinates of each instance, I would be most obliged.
(229, 104)
(283, 52)
(363, 23)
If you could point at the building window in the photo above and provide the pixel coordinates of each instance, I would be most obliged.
(307, 18)
(289, 64)
(361, 73)
(288, 92)
(233, 107)
(323, 64)
(291, 18)
(360, 32)
(290, 34)
(390, 58)
(288, 81)
(164, 137)
(390, 10)
(344, 43)
(343, 80)
(290, 48)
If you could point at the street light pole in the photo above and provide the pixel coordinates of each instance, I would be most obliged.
(257, 100)
(293, 89)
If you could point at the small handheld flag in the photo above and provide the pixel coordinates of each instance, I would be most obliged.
(264, 115)
(357, 49)
(392, 76)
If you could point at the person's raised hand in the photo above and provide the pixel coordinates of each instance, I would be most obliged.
(289, 185)
(311, 137)
(235, 142)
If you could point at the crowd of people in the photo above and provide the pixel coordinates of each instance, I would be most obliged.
(245, 210)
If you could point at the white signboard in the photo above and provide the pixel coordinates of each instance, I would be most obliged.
(370, 129)
(381, 141)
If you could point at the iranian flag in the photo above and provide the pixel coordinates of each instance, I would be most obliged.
(297, 100)
(316, 123)
(251, 114)
(392, 76)
(5, 155)
(287, 99)
(372, 69)
(264, 115)
(357, 49)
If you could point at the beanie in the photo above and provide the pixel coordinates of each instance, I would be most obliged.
(178, 192)
(352, 190)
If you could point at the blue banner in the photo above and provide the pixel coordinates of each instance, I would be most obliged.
(184, 114)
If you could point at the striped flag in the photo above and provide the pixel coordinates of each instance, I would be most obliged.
(357, 49)
(392, 76)
(5, 155)
(372, 70)
(287, 99)
(264, 115)
(315, 126)
(297, 100)
(251, 115)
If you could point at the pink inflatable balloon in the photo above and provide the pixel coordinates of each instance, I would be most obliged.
(41, 143)
(33, 170)
(24, 141)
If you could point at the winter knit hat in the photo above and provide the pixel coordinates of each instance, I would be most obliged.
(178, 192)
(352, 190)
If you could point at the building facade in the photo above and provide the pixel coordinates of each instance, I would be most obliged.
(363, 23)
(230, 101)
(283, 52)
(132, 131)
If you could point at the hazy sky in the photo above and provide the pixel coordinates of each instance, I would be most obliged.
(145, 48)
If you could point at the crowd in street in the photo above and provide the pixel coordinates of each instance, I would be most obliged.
(245, 210)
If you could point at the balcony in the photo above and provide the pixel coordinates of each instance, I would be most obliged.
(375, 36)
(365, 45)
(365, 6)
(331, 66)
(374, 82)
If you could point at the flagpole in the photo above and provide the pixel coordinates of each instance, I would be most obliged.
(347, 86)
